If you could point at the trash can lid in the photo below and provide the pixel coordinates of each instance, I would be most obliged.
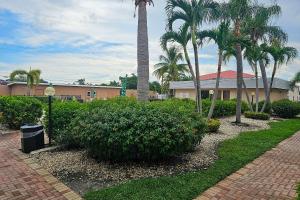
(31, 128)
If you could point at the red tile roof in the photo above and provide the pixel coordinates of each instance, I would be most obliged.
(230, 74)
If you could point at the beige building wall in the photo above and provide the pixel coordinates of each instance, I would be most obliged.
(64, 91)
(4, 90)
(275, 95)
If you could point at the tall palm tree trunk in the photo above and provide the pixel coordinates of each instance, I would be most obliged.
(239, 63)
(198, 84)
(216, 93)
(256, 88)
(143, 53)
(187, 58)
(266, 85)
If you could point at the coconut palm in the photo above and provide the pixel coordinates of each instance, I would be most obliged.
(281, 55)
(237, 11)
(182, 37)
(32, 77)
(295, 80)
(222, 37)
(170, 68)
(254, 53)
(193, 13)
(260, 29)
(142, 50)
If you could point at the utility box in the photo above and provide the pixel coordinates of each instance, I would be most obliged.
(32, 138)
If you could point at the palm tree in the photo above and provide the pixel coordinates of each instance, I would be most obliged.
(222, 37)
(259, 27)
(237, 11)
(169, 68)
(182, 37)
(254, 53)
(142, 50)
(32, 77)
(193, 13)
(281, 54)
(295, 80)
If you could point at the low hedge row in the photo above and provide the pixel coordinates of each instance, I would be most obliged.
(257, 115)
(16, 111)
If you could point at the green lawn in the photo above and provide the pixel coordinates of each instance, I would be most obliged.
(233, 155)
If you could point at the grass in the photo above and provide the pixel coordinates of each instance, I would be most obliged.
(233, 155)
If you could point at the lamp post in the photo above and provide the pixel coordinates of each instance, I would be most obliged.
(211, 93)
(50, 92)
(252, 99)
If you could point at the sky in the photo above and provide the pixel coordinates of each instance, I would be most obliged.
(96, 39)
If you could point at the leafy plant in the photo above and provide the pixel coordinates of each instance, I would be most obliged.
(213, 125)
(140, 132)
(286, 108)
(17, 111)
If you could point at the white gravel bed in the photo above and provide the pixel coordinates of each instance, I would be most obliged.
(82, 173)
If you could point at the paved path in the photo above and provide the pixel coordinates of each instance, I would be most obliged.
(274, 175)
(22, 179)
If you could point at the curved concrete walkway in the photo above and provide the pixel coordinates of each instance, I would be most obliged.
(22, 179)
(274, 175)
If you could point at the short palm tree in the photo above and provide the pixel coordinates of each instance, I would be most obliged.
(170, 67)
(254, 53)
(192, 13)
(237, 11)
(258, 26)
(182, 37)
(32, 77)
(142, 50)
(281, 54)
(222, 37)
(295, 80)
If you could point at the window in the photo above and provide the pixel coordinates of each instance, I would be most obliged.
(89, 93)
(205, 94)
(226, 94)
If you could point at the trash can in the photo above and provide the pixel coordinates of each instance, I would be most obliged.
(32, 138)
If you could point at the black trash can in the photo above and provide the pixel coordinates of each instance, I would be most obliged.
(32, 138)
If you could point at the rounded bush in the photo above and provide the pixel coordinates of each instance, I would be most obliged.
(213, 125)
(16, 111)
(257, 115)
(268, 108)
(286, 108)
(143, 132)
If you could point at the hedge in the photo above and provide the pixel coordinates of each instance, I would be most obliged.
(257, 115)
(286, 108)
(16, 111)
(141, 131)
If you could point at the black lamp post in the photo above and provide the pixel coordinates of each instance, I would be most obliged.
(50, 92)
(252, 100)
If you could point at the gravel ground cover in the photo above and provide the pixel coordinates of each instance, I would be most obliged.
(82, 173)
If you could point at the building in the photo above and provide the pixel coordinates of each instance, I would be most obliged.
(68, 91)
(62, 91)
(227, 90)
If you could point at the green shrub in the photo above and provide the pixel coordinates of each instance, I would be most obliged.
(139, 132)
(213, 125)
(268, 108)
(223, 108)
(257, 115)
(62, 114)
(286, 108)
(17, 111)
